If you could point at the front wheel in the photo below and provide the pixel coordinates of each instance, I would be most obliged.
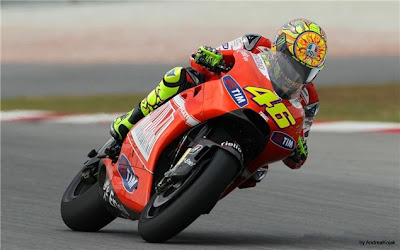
(82, 207)
(158, 225)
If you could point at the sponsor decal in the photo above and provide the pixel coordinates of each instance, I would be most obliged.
(296, 103)
(250, 41)
(282, 140)
(189, 120)
(233, 145)
(312, 50)
(196, 149)
(262, 48)
(251, 37)
(128, 177)
(171, 73)
(264, 116)
(146, 133)
(305, 96)
(260, 63)
(111, 198)
(311, 109)
(189, 162)
(225, 46)
(237, 43)
(280, 41)
(273, 106)
(261, 173)
(245, 55)
(235, 91)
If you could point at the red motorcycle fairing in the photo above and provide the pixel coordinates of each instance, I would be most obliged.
(245, 86)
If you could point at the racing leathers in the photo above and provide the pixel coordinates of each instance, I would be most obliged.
(179, 79)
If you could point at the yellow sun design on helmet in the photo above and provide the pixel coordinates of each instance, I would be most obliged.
(304, 40)
(310, 48)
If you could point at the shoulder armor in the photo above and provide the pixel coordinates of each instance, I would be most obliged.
(311, 109)
(250, 41)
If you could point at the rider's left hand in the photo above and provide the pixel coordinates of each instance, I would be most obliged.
(299, 155)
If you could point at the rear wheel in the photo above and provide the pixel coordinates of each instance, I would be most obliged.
(82, 207)
(170, 212)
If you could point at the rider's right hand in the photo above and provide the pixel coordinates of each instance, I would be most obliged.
(209, 58)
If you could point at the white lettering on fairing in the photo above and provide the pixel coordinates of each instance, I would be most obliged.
(146, 132)
(237, 43)
(189, 120)
(260, 65)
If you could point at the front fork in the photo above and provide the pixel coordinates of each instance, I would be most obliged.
(110, 149)
(190, 160)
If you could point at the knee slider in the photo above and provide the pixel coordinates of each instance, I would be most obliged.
(175, 77)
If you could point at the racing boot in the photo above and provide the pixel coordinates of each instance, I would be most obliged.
(259, 175)
(174, 81)
(122, 124)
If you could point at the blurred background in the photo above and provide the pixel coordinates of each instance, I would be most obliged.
(103, 56)
(84, 47)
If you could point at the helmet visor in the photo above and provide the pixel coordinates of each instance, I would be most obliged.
(288, 75)
(285, 76)
(313, 73)
(307, 73)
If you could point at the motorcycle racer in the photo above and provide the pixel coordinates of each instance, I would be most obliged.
(301, 41)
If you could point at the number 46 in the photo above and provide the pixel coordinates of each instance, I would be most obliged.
(274, 106)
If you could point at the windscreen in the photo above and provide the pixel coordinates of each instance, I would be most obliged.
(287, 75)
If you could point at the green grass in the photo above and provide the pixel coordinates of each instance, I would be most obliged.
(75, 104)
(356, 102)
(360, 102)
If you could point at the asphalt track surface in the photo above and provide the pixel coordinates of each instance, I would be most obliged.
(348, 192)
(71, 79)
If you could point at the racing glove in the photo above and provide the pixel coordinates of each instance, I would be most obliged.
(299, 155)
(209, 58)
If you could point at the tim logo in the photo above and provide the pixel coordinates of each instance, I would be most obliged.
(282, 140)
(125, 170)
(235, 91)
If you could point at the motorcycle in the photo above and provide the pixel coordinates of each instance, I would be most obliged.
(180, 160)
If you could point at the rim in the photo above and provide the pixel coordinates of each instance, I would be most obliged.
(76, 189)
(80, 189)
(161, 201)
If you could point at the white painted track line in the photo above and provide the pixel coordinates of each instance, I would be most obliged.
(43, 116)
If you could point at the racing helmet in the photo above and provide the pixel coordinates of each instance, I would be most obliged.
(302, 45)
